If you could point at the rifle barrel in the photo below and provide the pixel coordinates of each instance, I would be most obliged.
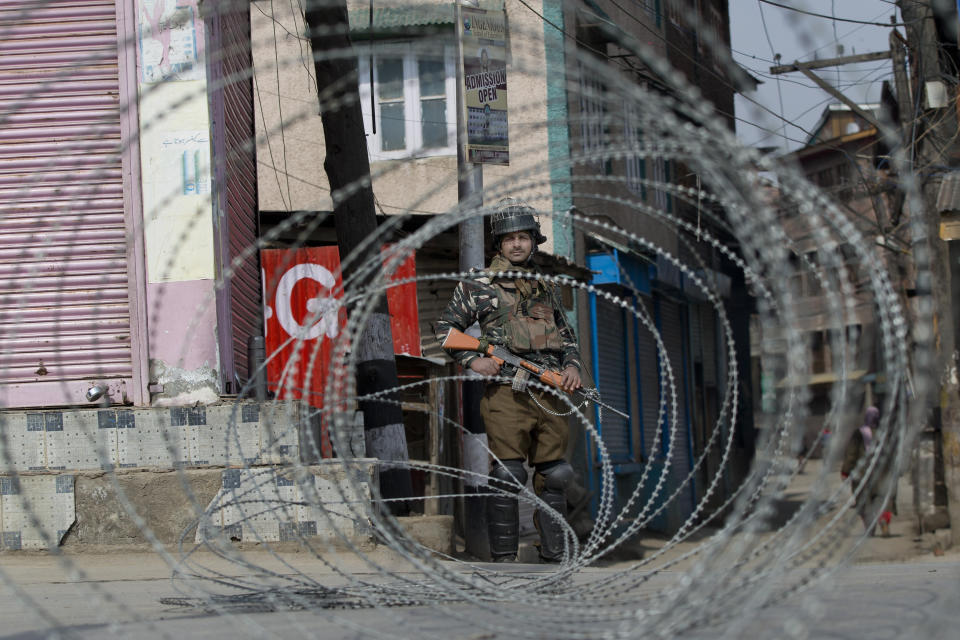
(603, 404)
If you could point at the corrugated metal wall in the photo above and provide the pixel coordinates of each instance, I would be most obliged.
(709, 328)
(64, 311)
(432, 299)
(235, 169)
(649, 368)
(671, 328)
(612, 350)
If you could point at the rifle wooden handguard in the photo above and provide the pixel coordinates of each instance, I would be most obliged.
(459, 341)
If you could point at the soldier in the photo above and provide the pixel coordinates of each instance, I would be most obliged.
(525, 316)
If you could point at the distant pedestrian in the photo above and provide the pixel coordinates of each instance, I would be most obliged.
(868, 487)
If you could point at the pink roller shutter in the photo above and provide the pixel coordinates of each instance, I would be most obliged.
(239, 305)
(64, 286)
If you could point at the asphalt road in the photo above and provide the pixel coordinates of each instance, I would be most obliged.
(128, 595)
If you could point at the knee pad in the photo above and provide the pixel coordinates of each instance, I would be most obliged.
(509, 473)
(557, 475)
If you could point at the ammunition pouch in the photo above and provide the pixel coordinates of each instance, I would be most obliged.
(520, 379)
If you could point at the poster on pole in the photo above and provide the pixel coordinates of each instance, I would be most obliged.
(484, 63)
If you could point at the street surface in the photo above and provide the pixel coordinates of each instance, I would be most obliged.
(902, 586)
(121, 593)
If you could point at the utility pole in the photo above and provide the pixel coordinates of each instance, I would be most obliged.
(929, 126)
(933, 149)
(475, 457)
(348, 167)
(806, 68)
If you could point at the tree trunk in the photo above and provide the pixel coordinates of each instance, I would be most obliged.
(347, 166)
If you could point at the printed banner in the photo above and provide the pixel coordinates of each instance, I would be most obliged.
(484, 37)
(302, 301)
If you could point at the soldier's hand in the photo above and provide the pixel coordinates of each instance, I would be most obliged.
(485, 366)
(571, 379)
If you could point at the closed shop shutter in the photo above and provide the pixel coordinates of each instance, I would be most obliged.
(708, 326)
(671, 327)
(240, 302)
(696, 352)
(612, 378)
(64, 292)
(649, 368)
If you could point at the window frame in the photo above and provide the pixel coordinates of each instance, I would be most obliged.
(661, 176)
(635, 163)
(410, 54)
(594, 131)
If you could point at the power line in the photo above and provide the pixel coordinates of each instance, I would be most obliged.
(821, 15)
(766, 32)
(765, 70)
(723, 80)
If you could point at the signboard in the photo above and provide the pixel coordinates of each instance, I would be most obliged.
(484, 38)
(303, 316)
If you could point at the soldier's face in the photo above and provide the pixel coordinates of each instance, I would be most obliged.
(517, 246)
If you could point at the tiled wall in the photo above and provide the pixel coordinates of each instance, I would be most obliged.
(40, 449)
(36, 510)
(219, 435)
(271, 505)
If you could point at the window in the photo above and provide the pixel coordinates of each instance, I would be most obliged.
(592, 117)
(813, 274)
(414, 93)
(716, 25)
(652, 7)
(845, 190)
(825, 178)
(675, 11)
(661, 176)
(636, 167)
(819, 352)
(700, 26)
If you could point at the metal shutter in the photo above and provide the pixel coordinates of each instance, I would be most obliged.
(236, 172)
(696, 348)
(709, 327)
(612, 380)
(432, 298)
(64, 289)
(671, 328)
(649, 368)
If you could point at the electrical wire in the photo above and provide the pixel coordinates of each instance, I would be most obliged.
(705, 68)
(820, 15)
(773, 52)
(723, 80)
(276, 60)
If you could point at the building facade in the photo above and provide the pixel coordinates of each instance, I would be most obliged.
(577, 146)
(845, 158)
(129, 194)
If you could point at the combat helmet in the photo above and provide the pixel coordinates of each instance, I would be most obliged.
(515, 215)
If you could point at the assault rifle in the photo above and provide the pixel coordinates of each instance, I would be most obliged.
(459, 341)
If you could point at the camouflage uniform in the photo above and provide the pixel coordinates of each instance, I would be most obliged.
(526, 317)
